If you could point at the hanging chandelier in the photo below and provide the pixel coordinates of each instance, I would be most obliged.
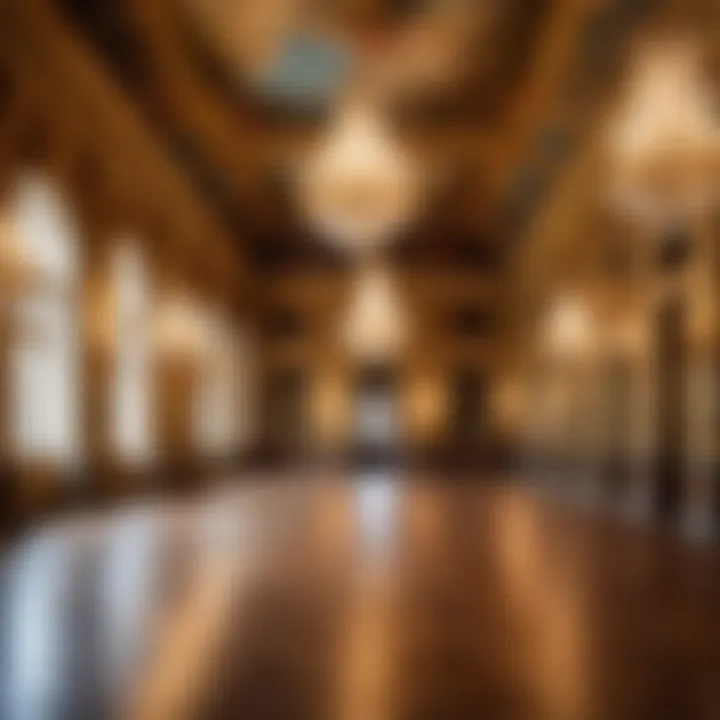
(665, 142)
(361, 188)
(375, 327)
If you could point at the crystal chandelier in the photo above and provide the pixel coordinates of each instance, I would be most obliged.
(375, 326)
(360, 188)
(665, 143)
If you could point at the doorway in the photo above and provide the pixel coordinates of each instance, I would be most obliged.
(377, 422)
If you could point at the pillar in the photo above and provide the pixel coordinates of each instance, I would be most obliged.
(96, 368)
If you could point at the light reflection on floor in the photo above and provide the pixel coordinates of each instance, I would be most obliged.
(382, 597)
(377, 506)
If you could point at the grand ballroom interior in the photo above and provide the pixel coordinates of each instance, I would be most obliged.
(360, 359)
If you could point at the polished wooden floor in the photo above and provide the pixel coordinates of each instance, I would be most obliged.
(378, 598)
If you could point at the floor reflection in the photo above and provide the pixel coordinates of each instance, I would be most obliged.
(377, 500)
(376, 598)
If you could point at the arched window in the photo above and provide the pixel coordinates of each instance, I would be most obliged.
(41, 248)
(131, 431)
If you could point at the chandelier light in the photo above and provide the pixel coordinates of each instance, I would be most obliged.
(375, 327)
(665, 143)
(361, 187)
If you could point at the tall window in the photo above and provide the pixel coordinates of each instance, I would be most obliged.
(44, 341)
(217, 389)
(131, 427)
(246, 409)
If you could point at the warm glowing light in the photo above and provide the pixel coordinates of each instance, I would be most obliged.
(17, 272)
(665, 143)
(361, 187)
(376, 326)
(569, 328)
(180, 328)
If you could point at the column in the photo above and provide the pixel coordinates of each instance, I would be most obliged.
(96, 369)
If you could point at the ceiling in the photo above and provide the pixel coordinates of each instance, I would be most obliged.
(238, 92)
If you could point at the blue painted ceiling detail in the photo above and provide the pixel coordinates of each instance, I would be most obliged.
(306, 71)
